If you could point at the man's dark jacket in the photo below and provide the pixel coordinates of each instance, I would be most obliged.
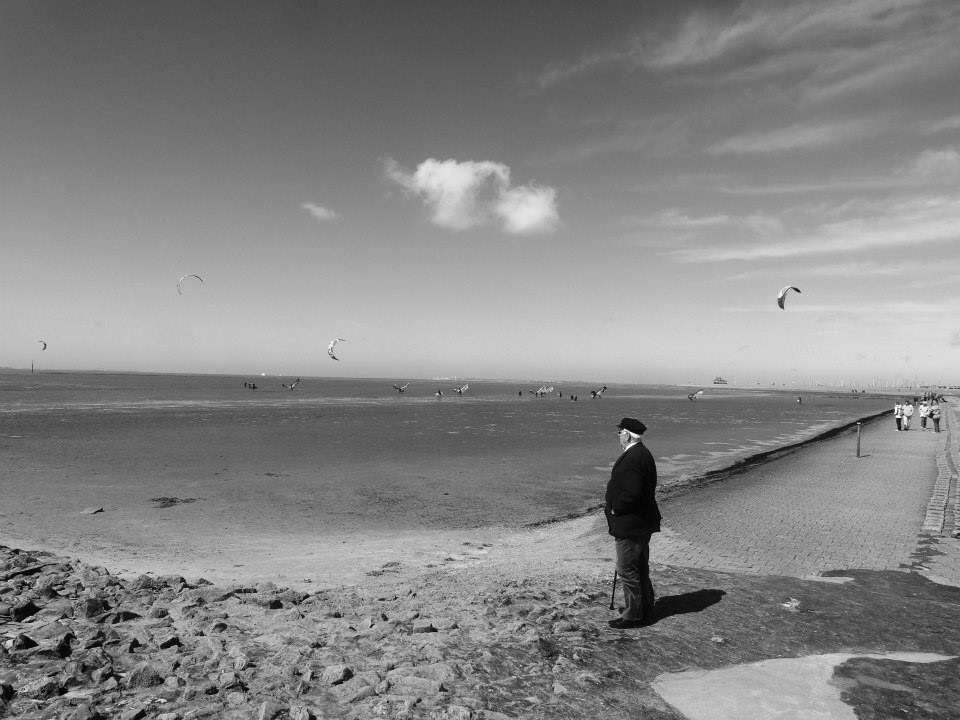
(631, 506)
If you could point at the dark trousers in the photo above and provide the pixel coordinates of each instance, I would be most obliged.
(633, 567)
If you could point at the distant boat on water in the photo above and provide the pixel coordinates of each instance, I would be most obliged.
(719, 381)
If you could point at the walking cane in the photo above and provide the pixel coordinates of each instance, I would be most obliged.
(613, 592)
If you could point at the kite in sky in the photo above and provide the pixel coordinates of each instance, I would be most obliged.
(695, 395)
(291, 386)
(460, 390)
(44, 343)
(542, 390)
(782, 295)
(184, 277)
(331, 348)
(598, 393)
(401, 388)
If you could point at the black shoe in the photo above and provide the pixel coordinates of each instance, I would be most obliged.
(623, 623)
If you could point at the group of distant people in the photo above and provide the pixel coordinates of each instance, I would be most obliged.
(929, 409)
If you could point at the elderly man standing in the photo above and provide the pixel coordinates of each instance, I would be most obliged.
(632, 517)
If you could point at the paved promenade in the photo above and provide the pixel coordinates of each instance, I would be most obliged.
(823, 508)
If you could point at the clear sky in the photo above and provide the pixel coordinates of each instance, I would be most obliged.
(607, 192)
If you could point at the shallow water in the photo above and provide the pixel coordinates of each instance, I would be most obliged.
(337, 452)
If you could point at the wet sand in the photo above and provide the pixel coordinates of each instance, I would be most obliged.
(235, 520)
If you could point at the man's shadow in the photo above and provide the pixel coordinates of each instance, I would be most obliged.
(686, 603)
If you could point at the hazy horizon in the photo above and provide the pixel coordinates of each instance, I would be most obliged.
(563, 385)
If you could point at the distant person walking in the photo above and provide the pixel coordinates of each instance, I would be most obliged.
(924, 412)
(632, 517)
(907, 414)
(935, 415)
(898, 414)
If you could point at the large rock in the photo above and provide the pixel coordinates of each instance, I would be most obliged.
(414, 685)
(22, 609)
(85, 711)
(353, 691)
(270, 709)
(22, 642)
(144, 675)
(90, 607)
(41, 688)
(336, 674)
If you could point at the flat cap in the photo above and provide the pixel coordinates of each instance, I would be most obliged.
(633, 425)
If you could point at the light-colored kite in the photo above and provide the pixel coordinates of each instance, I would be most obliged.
(44, 343)
(184, 277)
(542, 390)
(401, 388)
(782, 295)
(291, 386)
(460, 390)
(695, 395)
(598, 393)
(331, 348)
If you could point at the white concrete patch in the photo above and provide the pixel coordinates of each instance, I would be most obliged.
(778, 689)
(838, 580)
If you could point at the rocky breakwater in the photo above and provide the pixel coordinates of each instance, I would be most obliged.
(79, 643)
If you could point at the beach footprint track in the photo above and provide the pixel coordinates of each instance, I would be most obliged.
(470, 553)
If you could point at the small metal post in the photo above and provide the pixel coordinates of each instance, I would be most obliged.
(613, 591)
(858, 439)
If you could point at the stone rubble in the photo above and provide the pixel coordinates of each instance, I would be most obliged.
(485, 642)
(79, 643)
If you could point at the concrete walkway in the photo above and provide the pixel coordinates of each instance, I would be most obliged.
(895, 507)
(824, 508)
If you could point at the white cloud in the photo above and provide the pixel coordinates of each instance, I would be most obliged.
(528, 209)
(864, 269)
(932, 167)
(901, 225)
(823, 48)
(897, 61)
(558, 72)
(673, 219)
(319, 212)
(915, 310)
(465, 194)
(948, 123)
(937, 162)
(794, 137)
(827, 185)
(704, 38)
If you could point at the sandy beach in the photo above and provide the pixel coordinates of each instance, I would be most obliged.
(198, 476)
(818, 551)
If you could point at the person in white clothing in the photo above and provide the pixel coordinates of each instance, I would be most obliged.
(907, 414)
